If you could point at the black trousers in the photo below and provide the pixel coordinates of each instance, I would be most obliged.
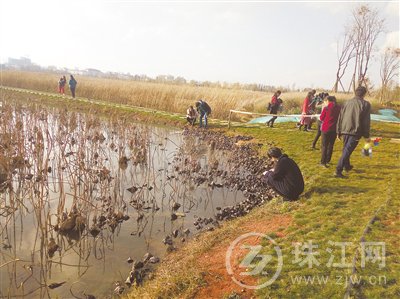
(282, 188)
(72, 91)
(350, 143)
(327, 143)
(317, 135)
(272, 120)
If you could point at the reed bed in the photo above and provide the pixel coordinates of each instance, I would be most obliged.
(161, 96)
(171, 98)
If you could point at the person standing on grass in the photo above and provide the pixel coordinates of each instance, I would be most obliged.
(204, 110)
(273, 108)
(306, 110)
(191, 115)
(61, 85)
(353, 123)
(285, 178)
(328, 118)
(72, 85)
(318, 101)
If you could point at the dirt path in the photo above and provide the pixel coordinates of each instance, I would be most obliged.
(218, 282)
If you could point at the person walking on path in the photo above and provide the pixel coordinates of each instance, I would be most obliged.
(353, 123)
(61, 85)
(306, 110)
(328, 118)
(204, 110)
(273, 108)
(286, 178)
(72, 85)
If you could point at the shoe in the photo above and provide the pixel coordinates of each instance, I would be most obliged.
(313, 147)
(339, 175)
(349, 168)
(324, 165)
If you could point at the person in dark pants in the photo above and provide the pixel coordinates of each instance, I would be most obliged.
(286, 178)
(319, 99)
(273, 108)
(72, 85)
(204, 110)
(328, 118)
(316, 138)
(353, 123)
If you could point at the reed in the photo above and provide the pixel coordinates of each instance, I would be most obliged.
(161, 96)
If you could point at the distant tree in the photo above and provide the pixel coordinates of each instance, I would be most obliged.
(390, 64)
(345, 54)
(365, 28)
(180, 80)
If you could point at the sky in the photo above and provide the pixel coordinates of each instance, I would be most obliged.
(290, 43)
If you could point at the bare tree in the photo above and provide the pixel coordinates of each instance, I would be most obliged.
(366, 26)
(390, 64)
(345, 56)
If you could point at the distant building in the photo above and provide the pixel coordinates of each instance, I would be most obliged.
(22, 63)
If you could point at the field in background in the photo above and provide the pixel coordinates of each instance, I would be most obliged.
(160, 96)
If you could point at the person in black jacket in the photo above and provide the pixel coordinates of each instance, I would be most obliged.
(286, 178)
(273, 108)
(204, 111)
(353, 123)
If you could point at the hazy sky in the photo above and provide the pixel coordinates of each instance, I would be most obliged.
(274, 43)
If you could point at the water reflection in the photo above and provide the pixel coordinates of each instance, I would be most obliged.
(80, 195)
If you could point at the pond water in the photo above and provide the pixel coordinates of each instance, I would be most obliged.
(80, 195)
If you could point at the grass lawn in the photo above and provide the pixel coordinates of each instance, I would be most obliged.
(339, 210)
(365, 206)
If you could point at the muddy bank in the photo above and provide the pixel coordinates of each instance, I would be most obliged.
(246, 168)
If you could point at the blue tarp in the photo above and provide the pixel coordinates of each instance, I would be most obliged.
(385, 115)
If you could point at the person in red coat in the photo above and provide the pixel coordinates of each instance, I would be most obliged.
(306, 110)
(329, 117)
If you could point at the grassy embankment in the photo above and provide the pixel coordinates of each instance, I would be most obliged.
(330, 210)
(337, 210)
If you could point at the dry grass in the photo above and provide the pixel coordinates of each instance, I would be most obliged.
(172, 98)
(166, 97)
